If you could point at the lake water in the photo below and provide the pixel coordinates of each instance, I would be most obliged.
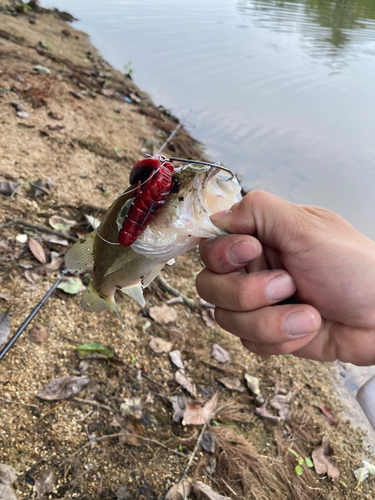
(282, 92)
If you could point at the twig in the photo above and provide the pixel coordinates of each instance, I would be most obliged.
(50, 411)
(118, 434)
(17, 403)
(216, 412)
(38, 227)
(4, 114)
(93, 403)
(168, 288)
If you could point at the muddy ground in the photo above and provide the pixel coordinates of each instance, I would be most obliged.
(79, 138)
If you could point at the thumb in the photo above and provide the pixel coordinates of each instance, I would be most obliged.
(273, 220)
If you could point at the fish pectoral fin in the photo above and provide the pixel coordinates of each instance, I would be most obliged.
(91, 301)
(125, 258)
(147, 278)
(81, 255)
(136, 293)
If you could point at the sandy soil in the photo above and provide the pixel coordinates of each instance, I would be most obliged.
(82, 134)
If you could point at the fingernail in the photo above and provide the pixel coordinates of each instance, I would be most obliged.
(300, 323)
(242, 253)
(219, 215)
(280, 288)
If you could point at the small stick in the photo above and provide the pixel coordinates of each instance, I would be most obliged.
(50, 411)
(93, 403)
(38, 227)
(118, 434)
(168, 288)
(200, 438)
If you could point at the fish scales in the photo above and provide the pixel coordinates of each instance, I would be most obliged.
(180, 224)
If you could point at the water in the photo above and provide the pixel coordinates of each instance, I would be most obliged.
(282, 92)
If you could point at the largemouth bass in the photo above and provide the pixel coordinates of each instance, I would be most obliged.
(184, 219)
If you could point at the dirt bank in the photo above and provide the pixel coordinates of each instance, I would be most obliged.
(72, 125)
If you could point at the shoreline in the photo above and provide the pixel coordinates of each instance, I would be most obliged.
(65, 115)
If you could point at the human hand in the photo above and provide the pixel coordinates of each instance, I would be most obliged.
(278, 250)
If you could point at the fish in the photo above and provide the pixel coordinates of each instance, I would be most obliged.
(200, 191)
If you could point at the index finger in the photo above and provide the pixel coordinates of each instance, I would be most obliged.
(228, 253)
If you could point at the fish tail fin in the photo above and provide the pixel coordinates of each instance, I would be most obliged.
(91, 301)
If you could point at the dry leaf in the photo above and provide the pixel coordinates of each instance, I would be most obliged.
(179, 491)
(208, 316)
(5, 326)
(323, 463)
(38, 334)
(204, 492)
(44, 484)
(7, 478)
(264, 413)
(219, 353)
(5, 296)
(186, 383)
(31, 276)
(280, 402)
(195, 414)
(176, 359)
(55, 264)
(60, 224)
(37, 250)
(130, 429)
(232, 383)
(163, 314)
(208, 442)
(62, 388)
(331, 417)
(179, 403)
(7, 188)
(160, 345)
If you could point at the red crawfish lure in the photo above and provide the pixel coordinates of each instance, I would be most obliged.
(154, 178)
(153, 181)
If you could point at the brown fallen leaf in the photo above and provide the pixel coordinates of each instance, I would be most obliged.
(38, 334)
(163, 314)
(175, 357)
(159, 345)
(5, 296)
(179, 491)
(130, 430)
(44, 484)
(195, 414)
(31, 276)
(179, 403)
(208, 442)
(37, 250)
(204, 492)
(331, 417)
(185, 382)
(62, 388)
(220, 354)
(323, 464)
(232, 383)
(264, 413)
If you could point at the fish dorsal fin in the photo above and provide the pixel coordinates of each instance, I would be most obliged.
(147, 278)
(125, 258)
(80, 256)
(136, 293)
